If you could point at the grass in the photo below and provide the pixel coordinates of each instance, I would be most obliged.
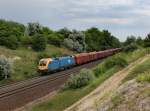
(144, 77)
(116, 100)
(26, 66)
(138, 70)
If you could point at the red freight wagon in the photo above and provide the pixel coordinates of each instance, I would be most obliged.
(82, 58)
(93, 56)
(100, 54)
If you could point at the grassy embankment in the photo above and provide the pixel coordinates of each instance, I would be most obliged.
(25, 65)
(65, 98)
(141, 73)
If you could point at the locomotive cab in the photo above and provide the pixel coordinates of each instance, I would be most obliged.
(43, 64)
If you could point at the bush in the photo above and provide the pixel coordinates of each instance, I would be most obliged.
(56, 54)
(55, 39)
(100, 69)
(144, 77)
(5, 67)
(12, 42)
(80, 80)
(39, 42)
(130, 48)
(118, 60)
(26, 40)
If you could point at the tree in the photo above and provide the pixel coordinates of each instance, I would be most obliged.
(140, 42)
(10, 33)
(64, 32)
(39, 42)
(147, 41)
(129, 40)
(131, 47)
(76, 41)
(100, 40)
(12, 42)
(5, 67)
(46, 31)
(33, 28)
(55, 39)
(93, 39)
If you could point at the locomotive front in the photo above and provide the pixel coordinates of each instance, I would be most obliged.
(43, 64)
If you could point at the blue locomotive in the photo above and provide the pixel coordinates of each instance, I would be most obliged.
(53, 64)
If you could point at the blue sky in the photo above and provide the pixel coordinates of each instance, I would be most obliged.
(120, 17)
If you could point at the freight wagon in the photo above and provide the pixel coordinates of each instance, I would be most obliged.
(54, 64)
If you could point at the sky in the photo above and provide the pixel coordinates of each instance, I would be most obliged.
(121, 17)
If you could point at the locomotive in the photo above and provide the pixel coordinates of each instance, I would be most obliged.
(54, 64)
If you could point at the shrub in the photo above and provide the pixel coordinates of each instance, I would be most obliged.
(118, 60)
(80, 80)
(55, 39)
(26, 40)
(5, 67)
(39, 42)
(100, 69)
(130, 48)
(12, 42)
(144, 77)
(56, 54)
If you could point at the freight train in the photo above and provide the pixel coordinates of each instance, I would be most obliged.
(55, 64)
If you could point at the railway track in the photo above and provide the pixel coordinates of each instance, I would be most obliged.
(18, 94)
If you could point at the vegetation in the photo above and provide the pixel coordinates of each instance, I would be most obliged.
(116, 100)
(140, 71)
(147, 41)
(130, 48)
(100, 40)
(39, 42)
(76, 41)
(144, 77)
(82, 79)
(5, 67)
(14, 35)
(117, 60)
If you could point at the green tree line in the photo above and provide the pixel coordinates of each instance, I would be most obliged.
(36, 36)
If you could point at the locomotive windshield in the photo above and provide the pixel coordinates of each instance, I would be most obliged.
(43, 62)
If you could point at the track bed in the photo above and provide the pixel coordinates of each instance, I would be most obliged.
(18, 94)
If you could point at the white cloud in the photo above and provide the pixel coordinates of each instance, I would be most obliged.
(104, 20)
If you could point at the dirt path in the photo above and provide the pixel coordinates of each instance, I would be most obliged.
(110, 85)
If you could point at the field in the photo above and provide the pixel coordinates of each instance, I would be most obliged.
(26, 61)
